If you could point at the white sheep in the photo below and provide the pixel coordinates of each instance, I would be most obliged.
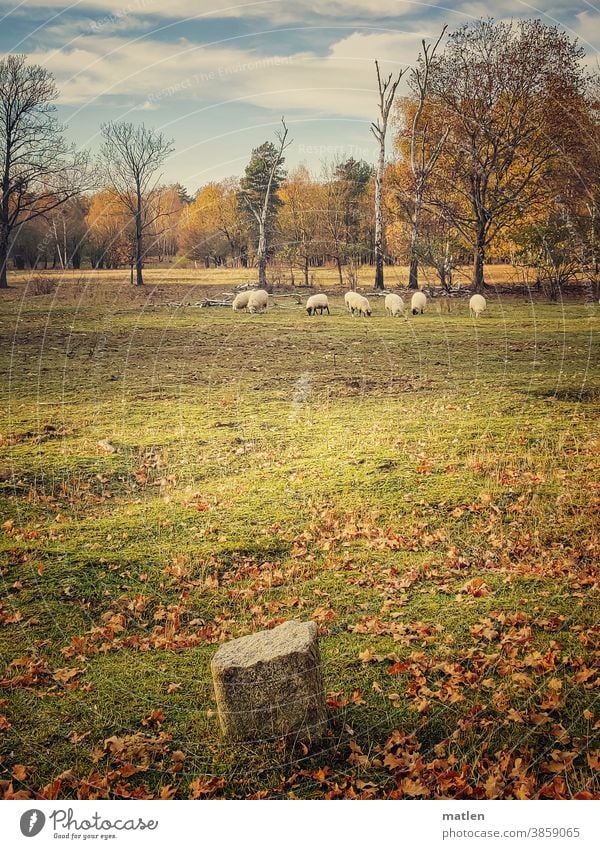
(258, 300)
(317, 302)
(240, 302)
(359, 304)
(477, 305)
(418, 302)
(394, 305)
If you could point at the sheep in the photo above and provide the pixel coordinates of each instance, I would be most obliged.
(240, 302)
(394, 305)
(418, 303)
(477, 305)
(317, 302)
(360, 305)
(348, 299)
(258, 300)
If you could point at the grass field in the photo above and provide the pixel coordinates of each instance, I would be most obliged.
(91, 280)
(427, 490)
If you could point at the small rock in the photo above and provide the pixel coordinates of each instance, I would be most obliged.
(268, 685)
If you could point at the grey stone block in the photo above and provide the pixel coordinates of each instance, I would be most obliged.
(268, 685)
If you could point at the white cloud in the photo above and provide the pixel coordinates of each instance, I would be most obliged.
(587, 28)
(340, 83)
(145, 72)
(278, 10)
(273, 9)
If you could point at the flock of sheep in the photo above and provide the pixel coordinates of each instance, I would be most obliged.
(256, 300)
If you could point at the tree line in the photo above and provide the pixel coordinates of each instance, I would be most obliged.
(492, 154)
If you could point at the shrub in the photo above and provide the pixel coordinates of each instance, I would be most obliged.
(40, 285)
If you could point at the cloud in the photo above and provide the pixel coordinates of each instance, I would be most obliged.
(145, 71)
(154, 72)
(587, 27)
(272, 9)
(284, 11)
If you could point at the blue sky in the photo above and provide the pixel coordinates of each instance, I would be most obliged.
(217, 76)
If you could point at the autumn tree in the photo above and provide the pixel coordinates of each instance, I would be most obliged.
(130, 159)
(39, 171)
(258, 194)
(493, 84)
(300, 220)
(425, 146)
(574, 179)
(66, 232)
(110, 231)
(386, 88)
(213, 228)
(347, 216)
(166, 208)
(549, 247)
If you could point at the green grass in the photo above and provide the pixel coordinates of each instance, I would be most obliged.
(407, 483)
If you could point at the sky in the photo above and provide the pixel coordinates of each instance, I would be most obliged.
(217, 76)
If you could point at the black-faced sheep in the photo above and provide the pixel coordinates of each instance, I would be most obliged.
(418, 302)
(357, 304)
(317, 302)
(394, 305)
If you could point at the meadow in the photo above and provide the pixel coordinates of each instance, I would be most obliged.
(425, 489)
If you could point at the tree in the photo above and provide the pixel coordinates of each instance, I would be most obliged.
(166, 207)
(110, 231)
(549, 246)
(130, 159)
(387, 92)
(424, 154)
(575, 176)
(66, 232)
(300, 219)
(39, 171)
(212, 228)
(258, 192)
(494, 83)
(347, 236)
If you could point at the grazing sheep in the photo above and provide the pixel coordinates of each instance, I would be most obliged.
(418, 302)
(477, 305)
(258, 300)
(317, 302)
(240, 302)
(360, 305)
(394, 305)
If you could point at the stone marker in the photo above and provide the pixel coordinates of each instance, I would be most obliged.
(269, 685)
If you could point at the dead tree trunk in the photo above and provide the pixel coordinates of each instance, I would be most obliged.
(387, 92)
(262, 214)
(421, 163)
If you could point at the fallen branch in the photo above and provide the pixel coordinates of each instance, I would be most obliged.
(291, 295)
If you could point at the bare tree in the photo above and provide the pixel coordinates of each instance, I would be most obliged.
(423, 155)
(387, 92)
(39, 171)
(266, 167)
(130, 159)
